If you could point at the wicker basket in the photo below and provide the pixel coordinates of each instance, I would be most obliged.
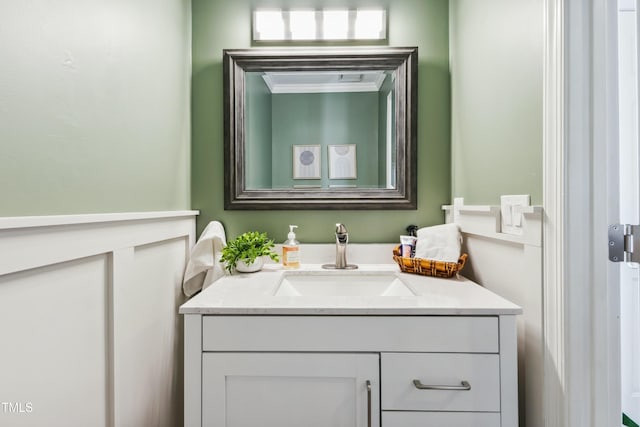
(428, 267)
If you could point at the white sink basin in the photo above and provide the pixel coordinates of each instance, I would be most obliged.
(323, 284)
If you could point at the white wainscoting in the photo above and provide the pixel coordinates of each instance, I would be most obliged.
(89, 327)
(510, 266)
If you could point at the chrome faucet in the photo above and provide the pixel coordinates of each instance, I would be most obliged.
(342, 238)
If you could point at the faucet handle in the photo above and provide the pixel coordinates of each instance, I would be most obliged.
(342, 237)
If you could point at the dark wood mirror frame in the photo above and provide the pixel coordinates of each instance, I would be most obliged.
(405, 63)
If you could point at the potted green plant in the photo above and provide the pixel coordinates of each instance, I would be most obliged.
(245, 252)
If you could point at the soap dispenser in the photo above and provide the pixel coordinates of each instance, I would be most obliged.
(291, 250)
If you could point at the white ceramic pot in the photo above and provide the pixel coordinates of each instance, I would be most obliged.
(243, 267)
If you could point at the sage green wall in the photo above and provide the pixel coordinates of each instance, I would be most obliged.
(496, 80)
(94, 106)
(220, 24)
(325, 119)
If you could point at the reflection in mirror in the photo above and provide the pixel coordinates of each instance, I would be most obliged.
(320, 130)
(342, 117)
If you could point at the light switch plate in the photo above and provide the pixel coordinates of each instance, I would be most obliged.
(511, 213)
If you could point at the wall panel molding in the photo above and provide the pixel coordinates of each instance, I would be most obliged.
(31, 242)
(511, 266)
(116, 278)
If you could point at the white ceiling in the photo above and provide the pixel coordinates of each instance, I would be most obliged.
(324, 81)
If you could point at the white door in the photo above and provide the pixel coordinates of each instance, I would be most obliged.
(629, 209)
(290, 390)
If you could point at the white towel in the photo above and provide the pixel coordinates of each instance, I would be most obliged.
(204, 265)
(439, 243)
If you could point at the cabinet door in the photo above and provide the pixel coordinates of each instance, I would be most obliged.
(290, 390)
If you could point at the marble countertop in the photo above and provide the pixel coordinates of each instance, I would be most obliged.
(253, 294)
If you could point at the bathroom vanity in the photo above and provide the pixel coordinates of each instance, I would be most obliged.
(370, 347)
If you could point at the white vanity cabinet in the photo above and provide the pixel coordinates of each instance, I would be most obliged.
(350, 370)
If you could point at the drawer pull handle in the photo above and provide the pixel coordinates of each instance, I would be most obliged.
(368, 403)
(464, 385)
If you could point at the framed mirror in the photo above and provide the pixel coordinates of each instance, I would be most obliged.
(320, 128)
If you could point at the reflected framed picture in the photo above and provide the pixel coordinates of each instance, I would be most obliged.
(342, 161)
(306, 162)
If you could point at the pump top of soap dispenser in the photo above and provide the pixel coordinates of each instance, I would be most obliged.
(291, 237)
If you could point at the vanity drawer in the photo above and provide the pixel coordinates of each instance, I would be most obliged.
(450, 334)
(440, 419)
(480, 371)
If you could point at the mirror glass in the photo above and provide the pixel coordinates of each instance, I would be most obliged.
(321, 129)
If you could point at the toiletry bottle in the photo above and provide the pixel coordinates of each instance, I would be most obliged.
(291, 250)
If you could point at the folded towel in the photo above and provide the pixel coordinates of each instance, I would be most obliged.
(204, 265)
(439, 243)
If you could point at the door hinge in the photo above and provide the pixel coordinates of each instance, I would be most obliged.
(623, 246)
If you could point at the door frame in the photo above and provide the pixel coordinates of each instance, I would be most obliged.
(581, 288)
